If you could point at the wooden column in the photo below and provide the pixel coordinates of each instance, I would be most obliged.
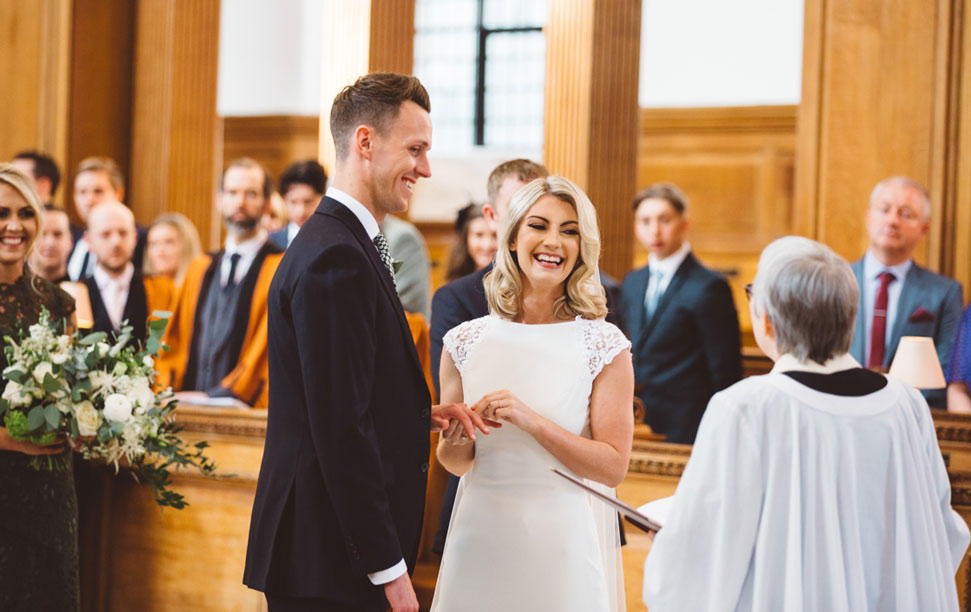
(35, 61)
(592, 56)
(360, 37)
(175, 151)
(877, 100)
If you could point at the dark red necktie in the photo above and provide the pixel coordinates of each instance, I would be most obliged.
(878, 331)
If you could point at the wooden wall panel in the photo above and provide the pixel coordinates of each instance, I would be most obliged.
(590, 114)
(175, 129)
(35, 62)
(875, 99)
(99, 118)
(275, 141)
(957, 250)
(735, 165)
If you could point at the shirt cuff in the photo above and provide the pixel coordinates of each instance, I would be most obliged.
(386, 576)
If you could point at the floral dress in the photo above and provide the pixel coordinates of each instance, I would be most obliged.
(38, 510)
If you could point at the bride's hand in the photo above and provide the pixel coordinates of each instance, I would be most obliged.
(504, 406)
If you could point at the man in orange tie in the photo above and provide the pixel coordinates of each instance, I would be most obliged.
(898, 297)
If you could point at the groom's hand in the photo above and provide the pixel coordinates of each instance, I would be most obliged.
(443, 415)
(401, 595)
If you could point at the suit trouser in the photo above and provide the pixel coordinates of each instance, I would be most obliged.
(282, 603)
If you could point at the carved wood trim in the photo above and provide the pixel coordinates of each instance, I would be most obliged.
(733, 119)
(225, 422)
(952, 427)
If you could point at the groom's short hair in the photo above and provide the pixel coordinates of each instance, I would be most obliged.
(373, 100)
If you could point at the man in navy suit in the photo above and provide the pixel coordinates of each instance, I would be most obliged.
(681, 319)
(897, 297)
(302, 185)
(337, 516)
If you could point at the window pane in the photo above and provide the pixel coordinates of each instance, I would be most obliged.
(515, 71)
(513, 13)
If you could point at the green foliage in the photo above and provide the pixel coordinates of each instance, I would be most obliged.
(19, 428)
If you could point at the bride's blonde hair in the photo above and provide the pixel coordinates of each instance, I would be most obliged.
(583, 295)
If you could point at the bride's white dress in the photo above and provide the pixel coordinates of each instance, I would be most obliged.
(521, 537)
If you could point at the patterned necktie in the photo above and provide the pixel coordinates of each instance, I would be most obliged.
(878, 330)
(381, 244)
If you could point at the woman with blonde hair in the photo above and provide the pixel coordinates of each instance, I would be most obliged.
(546, 366)
(38, 509)
(173, 242)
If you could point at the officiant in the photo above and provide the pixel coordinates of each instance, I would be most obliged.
(818, 486)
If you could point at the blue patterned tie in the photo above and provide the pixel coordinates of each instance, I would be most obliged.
(381, 244)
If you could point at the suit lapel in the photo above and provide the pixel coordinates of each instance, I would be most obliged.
(136, 308)
(332, 207)
(856, 348)
(909, 302)
(683, 270)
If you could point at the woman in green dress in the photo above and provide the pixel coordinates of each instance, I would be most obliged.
(38, 509)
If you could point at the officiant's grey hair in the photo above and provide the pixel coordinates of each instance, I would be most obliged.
(810, 295)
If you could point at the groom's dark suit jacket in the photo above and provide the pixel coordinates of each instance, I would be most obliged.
(342, 487)
(687, 351)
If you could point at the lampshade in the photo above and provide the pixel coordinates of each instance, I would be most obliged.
(916, 363)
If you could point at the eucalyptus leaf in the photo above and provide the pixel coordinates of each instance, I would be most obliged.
(35, 418)
(52, 415)
(152, 345)
(15, 375)
(51, 384)
(93, 338)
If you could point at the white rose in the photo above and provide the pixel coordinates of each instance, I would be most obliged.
(59, 357)
(118, 408)
(88, 418)
(148, 362)
(103, 348)
(11, 393)
(99, 379)
(41, 369)
(143, 395)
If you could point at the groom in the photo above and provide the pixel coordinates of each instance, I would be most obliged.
(337, 517)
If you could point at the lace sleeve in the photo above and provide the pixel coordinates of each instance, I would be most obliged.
(460, 340)
(602, 342)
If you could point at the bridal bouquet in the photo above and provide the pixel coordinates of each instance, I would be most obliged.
(100, 394)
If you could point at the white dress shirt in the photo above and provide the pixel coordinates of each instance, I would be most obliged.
(114, 292)
(248, 249)
(76, 269)
(292, 229)
(871, 284)
(371, 227)
(661, 273)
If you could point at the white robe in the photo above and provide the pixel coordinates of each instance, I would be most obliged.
(799, 500)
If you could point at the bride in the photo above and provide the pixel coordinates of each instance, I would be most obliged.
(547, 366)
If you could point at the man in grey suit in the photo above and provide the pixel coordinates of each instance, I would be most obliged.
(898, 297)
(412, 277)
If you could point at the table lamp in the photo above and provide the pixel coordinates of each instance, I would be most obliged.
(916, 363)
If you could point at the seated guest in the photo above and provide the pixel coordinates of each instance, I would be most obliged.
(412, 278)
(172, 243)
(819, 486)
(302, 185)
(475, 243)
(680, 317)
(48, 259)
(217, 334)
(44, 171)
(97, 180)
(898, 297)
(117, 291)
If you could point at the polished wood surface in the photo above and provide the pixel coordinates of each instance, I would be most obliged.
(590, 112)
(175, 157)
(35, 61)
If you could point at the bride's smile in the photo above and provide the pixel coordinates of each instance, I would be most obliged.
(547, 243)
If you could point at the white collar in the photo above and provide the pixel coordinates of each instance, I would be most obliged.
(360, 211)
(247, 248)
(670, 264)
(789, 363)
(104, 280)
(872, 267)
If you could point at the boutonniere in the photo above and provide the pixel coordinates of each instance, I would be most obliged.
(396, 265)
(921, 315)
